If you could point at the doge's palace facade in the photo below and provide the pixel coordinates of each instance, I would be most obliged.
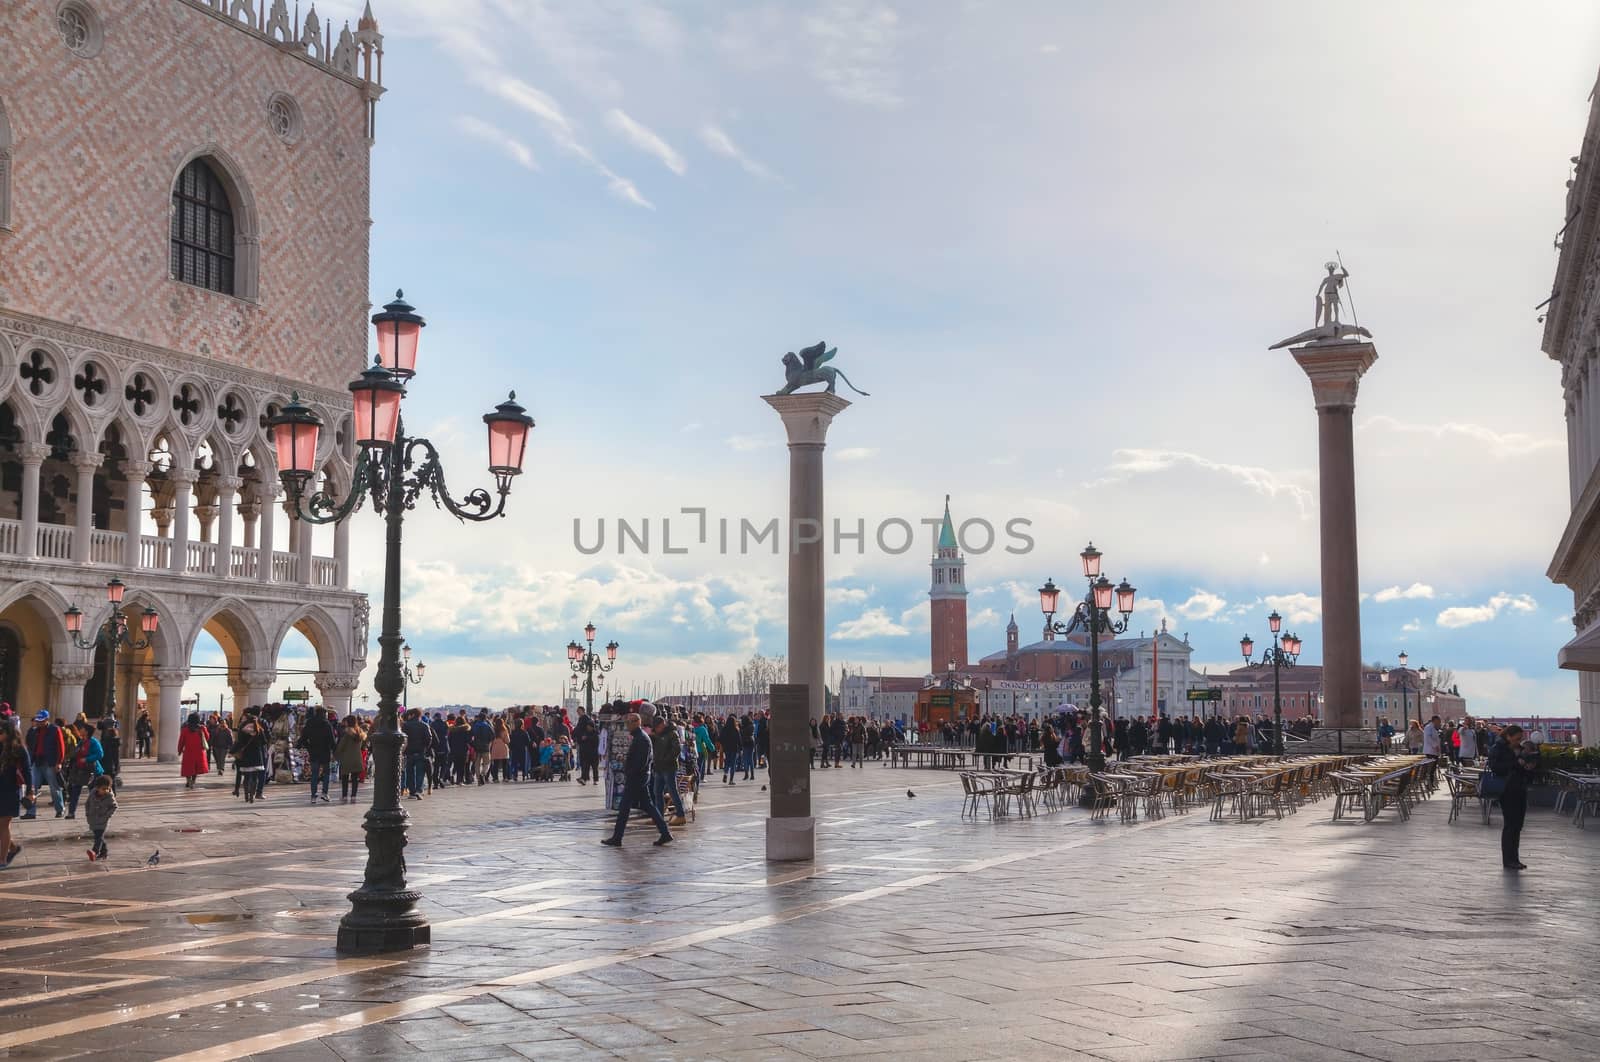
(183, 246)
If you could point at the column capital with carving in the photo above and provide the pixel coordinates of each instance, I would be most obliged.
(87, 460)
(171, 676)
(76, 674)
(33, 453)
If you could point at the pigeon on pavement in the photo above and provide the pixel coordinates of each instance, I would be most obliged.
(909, 793)
(154, 860)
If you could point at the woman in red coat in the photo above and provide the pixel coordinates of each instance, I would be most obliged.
(192, 747)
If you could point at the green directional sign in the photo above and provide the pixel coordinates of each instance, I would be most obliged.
(1212, 694)
(296, 695)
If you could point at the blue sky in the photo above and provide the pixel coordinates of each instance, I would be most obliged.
(1053, 240)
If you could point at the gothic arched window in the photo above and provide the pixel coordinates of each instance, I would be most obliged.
(202, 229)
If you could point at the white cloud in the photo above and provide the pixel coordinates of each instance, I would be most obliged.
(855, 453)
(715, 138)
(558, 127)
(1499, 444)
(479, 129)
(1414, 592)
(1296, 608)
(749, 442)
(646, 140)
(855, 52)
(1202, 605)
(874, 623)
(1126, 464)
(1505, 691)
(1412, 627)
(845, 595)
(1467, 615)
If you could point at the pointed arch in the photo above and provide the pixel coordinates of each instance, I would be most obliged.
(48, 604)
(323, 632)
(241, 209)
(238, 622)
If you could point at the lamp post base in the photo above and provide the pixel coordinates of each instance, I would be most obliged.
(381, 922)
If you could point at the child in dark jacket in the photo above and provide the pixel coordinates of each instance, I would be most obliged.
(102, 804)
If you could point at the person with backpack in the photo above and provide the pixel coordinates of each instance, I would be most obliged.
(87, 763)
(482, 737)
(317, 738)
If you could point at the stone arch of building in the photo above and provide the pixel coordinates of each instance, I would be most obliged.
(237, 630)
(324, 634)
(48, 604)
(40, 384)
(246, 221)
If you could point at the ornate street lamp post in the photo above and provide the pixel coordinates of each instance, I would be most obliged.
(409, 677)
(586, 663)
(1402, 680)
(1285, 650)
(395, 471)
(113, 633)
(1092, 614)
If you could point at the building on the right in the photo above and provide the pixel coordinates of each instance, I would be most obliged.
(1572, 338)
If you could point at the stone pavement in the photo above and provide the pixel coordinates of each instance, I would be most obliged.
(914, 936)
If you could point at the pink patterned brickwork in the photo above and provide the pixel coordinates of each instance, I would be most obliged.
(97, 144)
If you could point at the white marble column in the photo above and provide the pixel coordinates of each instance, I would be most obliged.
(86, 463)
(227, 487)
(183, 492)
(33, 455)
(169, 718)
(133, 514)
(341, 552)
(264, 564)
(302, 550)
(257, 688)
(69, 681)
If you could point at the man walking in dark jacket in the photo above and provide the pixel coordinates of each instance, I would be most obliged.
(636, 786)
(47, 749)
(419, 742)
(317, 738)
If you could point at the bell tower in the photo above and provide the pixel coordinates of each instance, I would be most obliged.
(947, 598)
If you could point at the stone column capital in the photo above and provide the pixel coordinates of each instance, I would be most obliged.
(229, 484)
(257, 679)
(806, 417)
(1335, 370)
(172, 676)
(33, 453)
(135, 471)
(87, 460)
(338, 683)
(183, 477)
(77, 674)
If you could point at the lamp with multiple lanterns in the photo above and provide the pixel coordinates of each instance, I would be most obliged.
(1092, 615)
(395, 471)
(1402, 680)
(114, 633)
(586, 664)
(1285, 650)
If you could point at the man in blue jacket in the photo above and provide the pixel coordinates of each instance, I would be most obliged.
(47, 748)
(636, 786)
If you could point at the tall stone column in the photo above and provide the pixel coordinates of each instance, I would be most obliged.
(169, 717)
(86, 463)
(269, 491)
(183, 481)
(33, 455)
(1335, 369)
(227, 487)
(134, 474)
(791, 829)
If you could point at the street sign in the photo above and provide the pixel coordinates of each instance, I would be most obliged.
(1212, 694)
(296, 695)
